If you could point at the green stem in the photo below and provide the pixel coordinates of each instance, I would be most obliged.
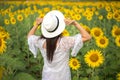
(77, 75)
(93, 72)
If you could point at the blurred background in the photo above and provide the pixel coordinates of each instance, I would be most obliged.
(99, 59)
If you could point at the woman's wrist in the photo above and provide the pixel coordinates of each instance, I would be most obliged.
(75, 23)
(36, 25)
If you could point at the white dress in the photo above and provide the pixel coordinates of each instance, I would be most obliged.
(59, 68)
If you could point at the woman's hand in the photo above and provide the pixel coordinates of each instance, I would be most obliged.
(69, 22)
(39, 21)
(34, 28)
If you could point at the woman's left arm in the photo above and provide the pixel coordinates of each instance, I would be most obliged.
(32, 31)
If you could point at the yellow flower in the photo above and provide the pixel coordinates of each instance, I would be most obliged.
(93, 9)
(94, 58)
(118, 76)
(41, 15)
(11, 15)
(12, 20)
(2, 45)
(107, 8)
(100, 5)
(4, 35)
(46, 9)
(96, 13)
(73, 15)
(77, 17)
(6, 21)
(115, 15)
(96, 32)
(65, 33)
(74, 63)
(117, 41)
(19, 17)
(89, 18)
(1, 29)
(100, 17)
(115, 31)
(109, 16)
(102, 42)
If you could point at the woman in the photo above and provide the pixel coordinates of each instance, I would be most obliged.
(55, 48)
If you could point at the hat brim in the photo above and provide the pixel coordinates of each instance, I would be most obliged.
(60, 28)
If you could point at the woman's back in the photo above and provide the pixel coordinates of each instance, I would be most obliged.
(58, 69)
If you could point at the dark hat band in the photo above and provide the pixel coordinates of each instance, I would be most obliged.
(56, 26)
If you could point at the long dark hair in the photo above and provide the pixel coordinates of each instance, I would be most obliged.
(51, 44)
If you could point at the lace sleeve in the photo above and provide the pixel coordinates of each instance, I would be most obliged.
(32, 43)
(77, 44)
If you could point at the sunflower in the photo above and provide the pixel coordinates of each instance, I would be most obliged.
(65, 33)
(89, 18)
(115, 15)
(4, 35)
(6, 21)
(109, 16)
(12, 20)
(117, 41)
(100, 5)
(108, 8)
(100, 17)
(2, 45)
(96, 13)
(41, 15)
(19, 17)
(118, 76)
(47, 9)
(115, 31)
(77, 17)
(102, 42)
(74, 63)
(94, 58)
(1, 29)
(96, 32)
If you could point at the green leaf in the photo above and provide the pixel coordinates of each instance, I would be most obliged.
(75, 78)
(89, 70)
(23, 76)
(84, 78)
(95, 78)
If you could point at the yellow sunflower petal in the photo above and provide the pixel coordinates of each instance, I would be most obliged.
(74, 63)
(102, 42)
(96, 32)
(117, 41)
(2, 45)
(94, 58)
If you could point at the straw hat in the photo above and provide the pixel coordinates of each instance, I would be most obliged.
(53, 24)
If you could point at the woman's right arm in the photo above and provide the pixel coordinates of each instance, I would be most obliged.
(85, 35)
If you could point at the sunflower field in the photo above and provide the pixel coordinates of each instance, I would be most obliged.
(99, 58)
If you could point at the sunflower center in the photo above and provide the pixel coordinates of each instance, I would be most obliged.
(102, 41)
(97, 33)
(116, 15)
(13, 20)
(20, 18)
(74, 63)
(94, 57)
(117, 32)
